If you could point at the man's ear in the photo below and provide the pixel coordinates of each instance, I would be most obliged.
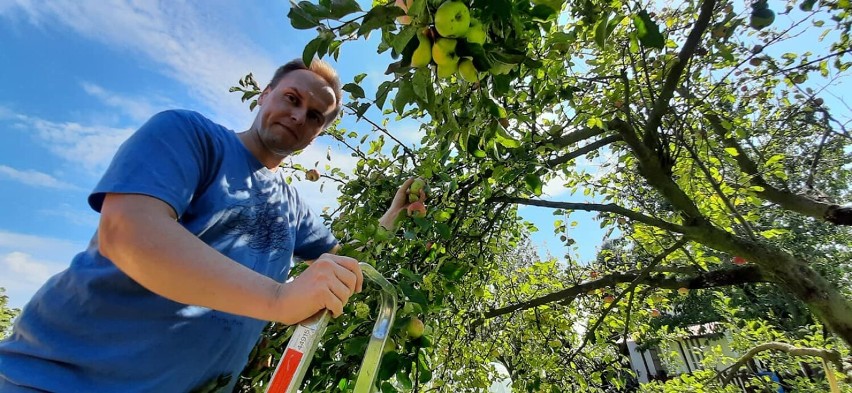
(262, 95)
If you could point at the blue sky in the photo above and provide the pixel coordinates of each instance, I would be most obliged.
(79, 76)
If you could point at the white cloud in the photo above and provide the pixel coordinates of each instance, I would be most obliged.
(84, 218)
(186, 41)
(138, 109)
(91, 147)
(35, 178)
(26, 261)
(44, 247)
(28, 269)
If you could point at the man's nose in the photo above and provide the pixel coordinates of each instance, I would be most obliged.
(298, 115)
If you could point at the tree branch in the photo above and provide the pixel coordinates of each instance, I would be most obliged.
(583, 150)
(710, 279)
(827, 354)
(661, 105)
(608, 208)
(801, 204)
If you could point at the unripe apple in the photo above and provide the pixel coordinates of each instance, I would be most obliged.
(444, 52)
(415, 328)
(452, 19)
(655, 313)
(608, 299)
(683, 291)
(312, 175)
(417, 210)
(738, 260)
(554, 343)
(818, 101)
(755, 61)
(476, 33)
(390, 346)
(593, 274)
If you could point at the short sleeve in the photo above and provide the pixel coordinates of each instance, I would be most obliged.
(313, 238)
(164, 159)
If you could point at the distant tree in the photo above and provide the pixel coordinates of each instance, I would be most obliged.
(7, 315)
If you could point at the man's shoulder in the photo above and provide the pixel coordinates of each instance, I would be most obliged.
(185, 115)
(190, 121)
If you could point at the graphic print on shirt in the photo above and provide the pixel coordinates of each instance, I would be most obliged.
(261, 222)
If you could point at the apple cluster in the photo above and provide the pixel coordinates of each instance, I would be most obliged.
(437, 45)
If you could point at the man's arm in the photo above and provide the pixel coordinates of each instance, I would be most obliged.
(141, 235)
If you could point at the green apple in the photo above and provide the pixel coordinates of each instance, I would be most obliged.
(761, 18)
(452, 19)
(476, 33)
(423, 54)
(468, 71)
(390, 346)
(444, 51)
(447, 70)
(415, 328)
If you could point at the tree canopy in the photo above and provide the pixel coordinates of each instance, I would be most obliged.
(722, 166)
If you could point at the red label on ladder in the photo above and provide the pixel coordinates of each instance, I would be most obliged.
(286, 372)
(288, 367)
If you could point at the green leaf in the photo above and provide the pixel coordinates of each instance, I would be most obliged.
(647, 31)
(421, 84)
(354, 89)
(404, 380)
(341, 8)
(732, 151)
(300, 18)
(601, 33)
(390, 364)
(414, 294)
(533, 183)
(505, 138)
(311, 49)
(379, 16)
(496, 110)
(404, 95)
(405, 36)
(382, 93)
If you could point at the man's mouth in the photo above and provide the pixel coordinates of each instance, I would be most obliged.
(290, 131)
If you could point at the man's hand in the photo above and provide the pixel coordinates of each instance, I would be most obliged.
(327, 284)
(400, 203)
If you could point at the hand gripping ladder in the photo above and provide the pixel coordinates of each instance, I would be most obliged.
(291, 369)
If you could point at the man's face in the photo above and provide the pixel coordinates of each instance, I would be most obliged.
(294, 112)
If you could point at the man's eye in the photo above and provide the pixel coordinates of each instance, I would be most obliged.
(292, 98)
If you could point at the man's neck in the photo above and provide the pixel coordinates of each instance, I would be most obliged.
(251, 140)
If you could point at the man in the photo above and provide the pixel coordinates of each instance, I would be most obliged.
(194, 244)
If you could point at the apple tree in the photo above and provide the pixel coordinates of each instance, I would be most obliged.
(722, 165)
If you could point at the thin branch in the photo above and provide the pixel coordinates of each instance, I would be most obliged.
(583, 150)
(608, 208)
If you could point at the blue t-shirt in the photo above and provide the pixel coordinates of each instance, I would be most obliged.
(91, 328)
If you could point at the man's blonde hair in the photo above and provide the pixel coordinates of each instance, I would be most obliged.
(324, 71)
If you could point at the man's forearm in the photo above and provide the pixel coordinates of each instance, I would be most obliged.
(165, 258)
